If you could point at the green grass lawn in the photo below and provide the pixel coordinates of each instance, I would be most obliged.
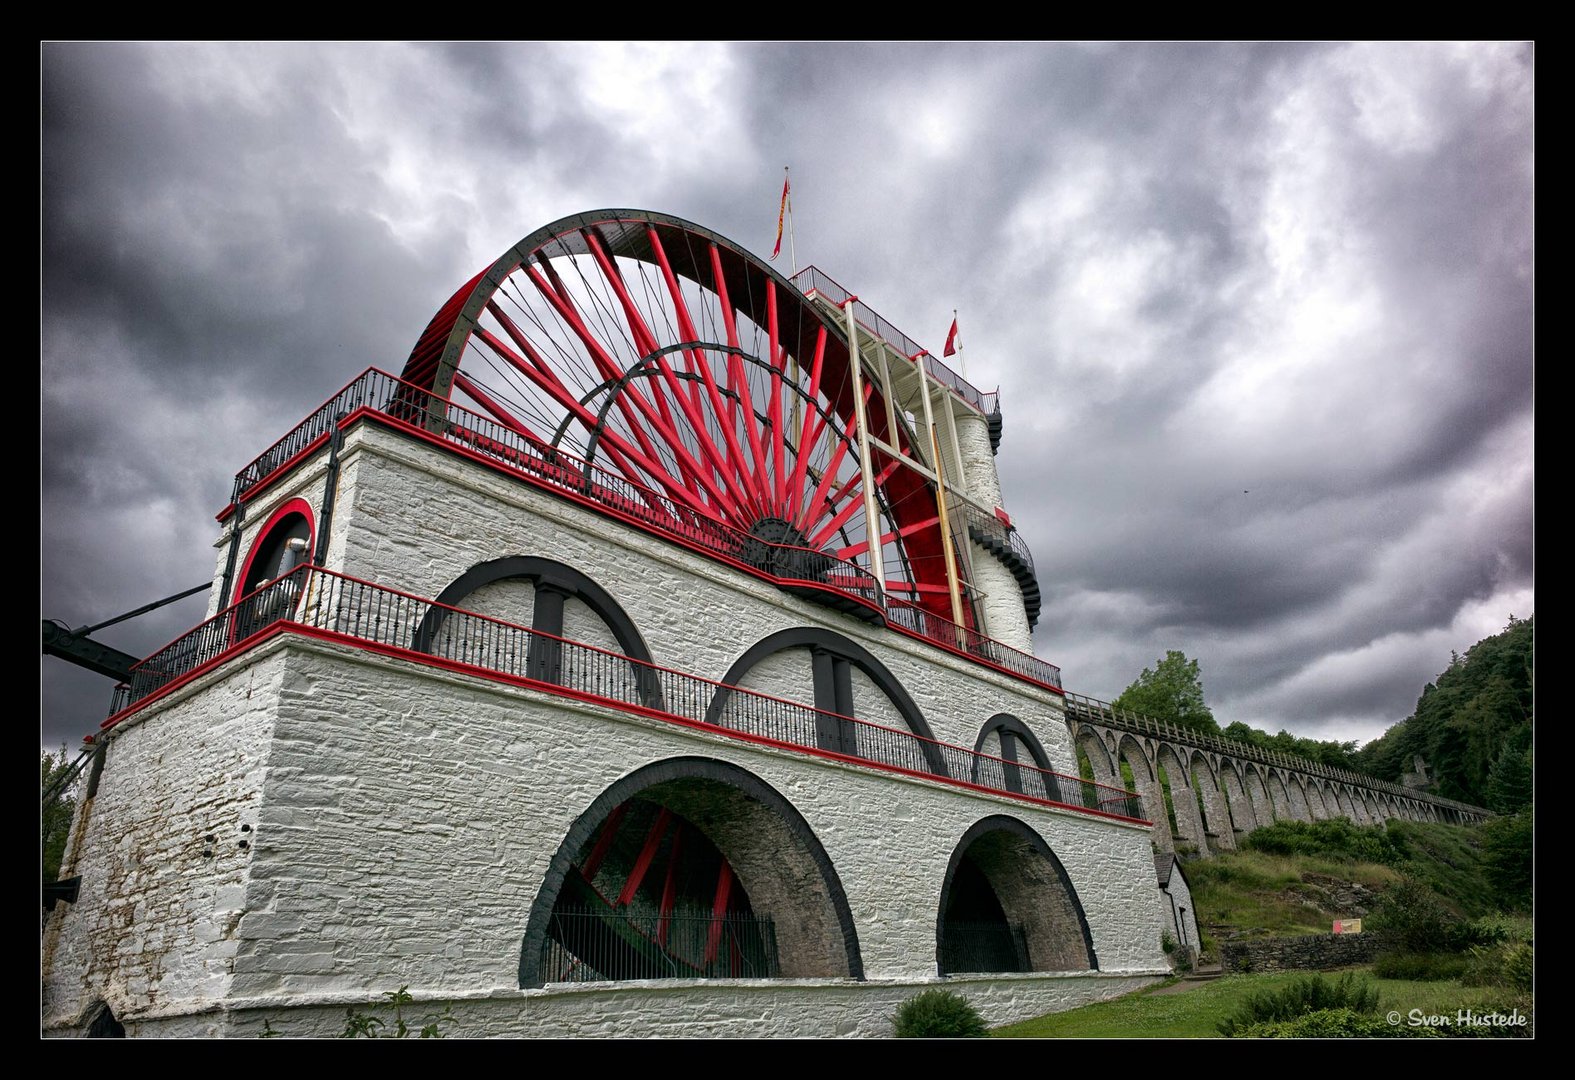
(1195, 1013)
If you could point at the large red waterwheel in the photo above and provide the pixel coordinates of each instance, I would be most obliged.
(667, 362)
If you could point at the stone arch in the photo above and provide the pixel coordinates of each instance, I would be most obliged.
(1279, 798)
(1362, 813)
(1370, 807)
(1318, 799)
(996, 765)
(1216, 815)
(100, 1022)
(833, 659)
(1238, 806)
(1027, 915)
(1258, 794)
(454, 635)
(270, 555)
(771, 849)
(1101, 763)
(1296, 792)
(1145, 780)
(1183, 797)
(1342, 801)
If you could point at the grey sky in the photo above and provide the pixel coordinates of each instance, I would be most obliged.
(1261, 316)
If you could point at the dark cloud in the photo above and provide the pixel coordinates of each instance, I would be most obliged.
(1261, 315)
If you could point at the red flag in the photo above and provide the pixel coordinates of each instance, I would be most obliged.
(952, 344)
(781, 216)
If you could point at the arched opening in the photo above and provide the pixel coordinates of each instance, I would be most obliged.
(1278, 798)
(561, 606)
(1003, 742)
(689, 868)
(1008, 905)
(1258, 794)
(1138, 775)
(847, 684)
(1237, 806)
(101, 1023)
(283, 544)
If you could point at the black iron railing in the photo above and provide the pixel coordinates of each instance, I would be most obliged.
(983, 947)
(614, 945)
(992, 526)
(1082, 707)
(424, 630)
(410, 408)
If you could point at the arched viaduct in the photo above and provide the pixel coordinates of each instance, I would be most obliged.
(1222, 789)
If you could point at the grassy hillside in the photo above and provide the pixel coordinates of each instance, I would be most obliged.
(1296, 878)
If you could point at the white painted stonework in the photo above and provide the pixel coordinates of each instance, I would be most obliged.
(311, 825)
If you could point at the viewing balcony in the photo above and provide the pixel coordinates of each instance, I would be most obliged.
(378, 397)
(317, 603)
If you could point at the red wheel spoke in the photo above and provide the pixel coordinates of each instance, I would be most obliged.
(604, 841)
(777, 358)
(806, 440)
(574, 333)
(697, 362)
(827, 479)
(642, 864)
(694, 477)
(648, 344)
(738, 383)
(618, 448)
(724, 890)
(499, 413)
(670, 886)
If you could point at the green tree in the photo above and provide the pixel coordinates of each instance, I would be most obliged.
(1171, 690)
(55, 826)
(1479, 707)
(1507, 853)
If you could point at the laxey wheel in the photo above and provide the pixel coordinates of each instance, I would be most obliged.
(646, 349)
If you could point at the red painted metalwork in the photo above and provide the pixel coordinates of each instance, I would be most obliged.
(724, 890)
(670, 886)
(678, 361)
(642, 864)
(604, 841)
(292, 506)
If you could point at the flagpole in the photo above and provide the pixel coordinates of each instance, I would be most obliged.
(792, 248)
(795, 425)
(962, 361)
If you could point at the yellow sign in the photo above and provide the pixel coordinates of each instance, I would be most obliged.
(1348, 926)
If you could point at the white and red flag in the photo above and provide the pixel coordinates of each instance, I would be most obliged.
(781, 217)
(952, 341)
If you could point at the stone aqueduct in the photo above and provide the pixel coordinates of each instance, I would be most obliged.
(1222, 789)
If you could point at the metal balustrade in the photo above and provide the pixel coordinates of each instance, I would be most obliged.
(360, 613)
(377, 394)
(813, 279)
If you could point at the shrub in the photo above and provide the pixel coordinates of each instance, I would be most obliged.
(1422, 967)
(1335, 1024)
(938, 1014)
(1410, 913)
(1309, 994)
(1167, 943)
(1518, 963)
